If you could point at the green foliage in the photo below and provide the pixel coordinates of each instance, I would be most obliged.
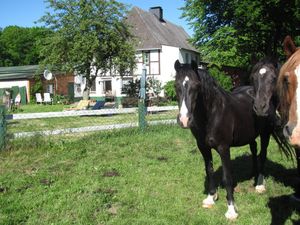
(154, 85)
(223, 79)
(21, 46)
(132, 89)
(169, 89)
(89, 37)
(37, 87)
(232, 32)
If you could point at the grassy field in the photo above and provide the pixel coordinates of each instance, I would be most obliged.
(128, 177)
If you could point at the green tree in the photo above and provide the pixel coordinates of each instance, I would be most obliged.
(19, 46)
(230, 32)
(90, 37)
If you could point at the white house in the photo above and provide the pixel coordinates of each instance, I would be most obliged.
(160, 44)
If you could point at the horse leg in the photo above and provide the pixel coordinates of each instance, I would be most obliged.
(231, 213)
(212, 191)
(253, 149)
(264, 142)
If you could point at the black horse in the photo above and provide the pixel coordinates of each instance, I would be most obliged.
(219, 120)
(264, 76)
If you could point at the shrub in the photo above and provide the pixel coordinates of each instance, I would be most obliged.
(223, 79)
(169, 89)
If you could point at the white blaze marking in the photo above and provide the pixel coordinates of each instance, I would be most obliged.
(183, 109)
(262, 71)
(185, 80)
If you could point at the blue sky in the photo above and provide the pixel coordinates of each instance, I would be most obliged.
(25, 12)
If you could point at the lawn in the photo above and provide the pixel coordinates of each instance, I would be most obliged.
(129, 177)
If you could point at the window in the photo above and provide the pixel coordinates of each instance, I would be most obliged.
(107, 87)
(50, 88)
(146, 58)
(93, 88)
(187, 58)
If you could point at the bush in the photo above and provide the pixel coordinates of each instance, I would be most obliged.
(128, 102)
(169, 89)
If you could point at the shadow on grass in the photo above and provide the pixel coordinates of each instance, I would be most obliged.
(281, 207)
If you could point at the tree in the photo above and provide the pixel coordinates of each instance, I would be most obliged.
(19, 45)
(230, 32)
(90, 37)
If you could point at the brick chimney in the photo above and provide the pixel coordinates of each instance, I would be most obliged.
(158, 12)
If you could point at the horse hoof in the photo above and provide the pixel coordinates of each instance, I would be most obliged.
(260, 189)
(207, 206)
(231, 214)
(209, 201)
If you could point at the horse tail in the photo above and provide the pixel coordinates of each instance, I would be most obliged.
(282, 142)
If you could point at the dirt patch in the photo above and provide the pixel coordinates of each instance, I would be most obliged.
(162, 158)
(111, 173)
(3, 189)
(46, 182)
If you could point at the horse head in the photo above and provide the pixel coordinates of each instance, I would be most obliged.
(288, 86)
(187, 86)
(264, 77)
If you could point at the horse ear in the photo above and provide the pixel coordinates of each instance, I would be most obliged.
(194, 65)
(177, 65)
(289, 46)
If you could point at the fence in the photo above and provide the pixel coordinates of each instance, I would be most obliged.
(52, 123)
(2, 127)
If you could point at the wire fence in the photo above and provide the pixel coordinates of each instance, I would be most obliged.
(81, 121)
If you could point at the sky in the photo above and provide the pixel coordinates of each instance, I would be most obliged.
(25, 13)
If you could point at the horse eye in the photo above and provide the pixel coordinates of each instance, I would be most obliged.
(286, 79)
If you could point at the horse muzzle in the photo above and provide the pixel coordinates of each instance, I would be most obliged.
(292, 133)
(261, 109)
(184, 121)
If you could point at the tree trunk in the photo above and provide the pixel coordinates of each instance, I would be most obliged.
(86, 93)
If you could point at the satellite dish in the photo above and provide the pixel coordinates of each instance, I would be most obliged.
(48, 75)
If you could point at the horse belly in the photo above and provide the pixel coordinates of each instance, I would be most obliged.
(243, 135)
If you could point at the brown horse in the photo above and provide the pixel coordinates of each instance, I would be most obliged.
(288, 86)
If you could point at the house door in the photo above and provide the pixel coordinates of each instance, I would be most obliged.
(71, 91)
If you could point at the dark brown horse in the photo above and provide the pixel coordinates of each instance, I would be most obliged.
(264, 76)
(218, 120)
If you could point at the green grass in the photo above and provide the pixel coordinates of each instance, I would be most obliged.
(128, 177)
(36, 108)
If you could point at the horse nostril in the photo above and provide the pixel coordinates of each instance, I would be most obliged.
(287, 130)
(254, 108)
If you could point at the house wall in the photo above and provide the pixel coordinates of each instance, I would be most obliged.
(160, 66)
(19, 83)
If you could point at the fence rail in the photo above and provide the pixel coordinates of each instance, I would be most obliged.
(99, 112)
(36, 123)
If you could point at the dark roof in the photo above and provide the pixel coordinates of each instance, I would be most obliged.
(152, 32)
(18, 72)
